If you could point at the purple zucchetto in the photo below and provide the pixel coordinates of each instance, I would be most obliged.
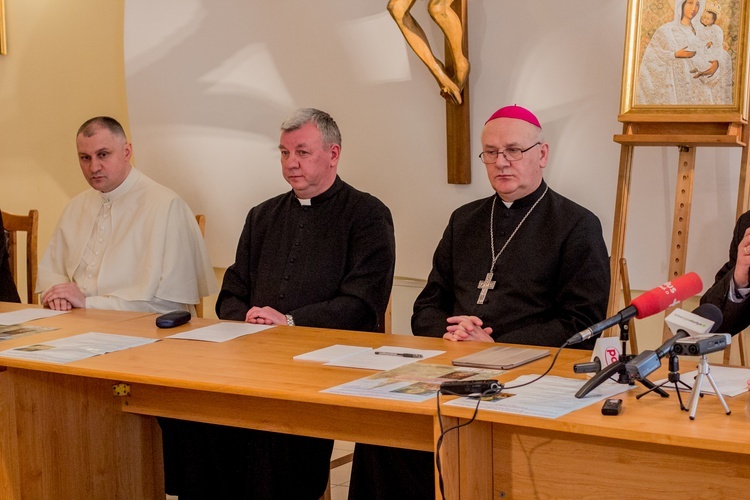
(516, 112)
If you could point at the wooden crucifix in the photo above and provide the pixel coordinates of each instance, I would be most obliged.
(452, 76)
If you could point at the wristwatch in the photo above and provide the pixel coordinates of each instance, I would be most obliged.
(289, 320)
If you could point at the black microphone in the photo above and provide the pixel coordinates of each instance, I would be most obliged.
(648, 362)
(651, 302)
(625, 315)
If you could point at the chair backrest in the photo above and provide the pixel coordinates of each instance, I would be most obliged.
(388, 323)
(625, 280)
(201, 220)
(30, 225)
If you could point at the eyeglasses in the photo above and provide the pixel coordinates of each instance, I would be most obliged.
(510, 154)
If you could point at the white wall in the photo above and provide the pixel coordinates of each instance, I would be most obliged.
(210, 82)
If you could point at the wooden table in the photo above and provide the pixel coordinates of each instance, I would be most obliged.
(651, 450)
(65, 434)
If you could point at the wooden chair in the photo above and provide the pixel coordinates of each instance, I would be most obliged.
(345, 459)
(30, 224)
(738, 341)
(388, 323)
(201, 220)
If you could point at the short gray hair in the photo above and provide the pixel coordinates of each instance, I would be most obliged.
(91, 125)
(329, 131)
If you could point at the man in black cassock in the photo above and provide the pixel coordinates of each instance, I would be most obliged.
(524, 266)
(8, 290)
(731, 288)
(320, 255)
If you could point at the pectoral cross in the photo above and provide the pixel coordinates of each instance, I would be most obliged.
(486, 284)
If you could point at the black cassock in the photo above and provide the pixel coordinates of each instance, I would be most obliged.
(329, 265)
(551, 281)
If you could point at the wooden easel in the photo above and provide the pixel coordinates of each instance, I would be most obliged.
(714, 131)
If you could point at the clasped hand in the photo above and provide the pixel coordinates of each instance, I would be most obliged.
(64, 297)
(467, 328)
(265, 316)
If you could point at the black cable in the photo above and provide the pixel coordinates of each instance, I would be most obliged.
(554, 360)
(489, 392)
(443, 432)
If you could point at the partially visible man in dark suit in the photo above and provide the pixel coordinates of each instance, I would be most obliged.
(731, 289)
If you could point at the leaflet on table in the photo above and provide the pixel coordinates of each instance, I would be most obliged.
(380, 358)
(220, 332)
(414, 382)
(30, 314)
(77, 347)
(11, 332)
(549, 397)
(731, 381)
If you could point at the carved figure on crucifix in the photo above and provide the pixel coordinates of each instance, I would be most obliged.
(441, 11)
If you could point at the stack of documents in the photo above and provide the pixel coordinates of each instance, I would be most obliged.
(414, 382)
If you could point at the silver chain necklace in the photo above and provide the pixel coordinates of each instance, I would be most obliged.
(487, 283)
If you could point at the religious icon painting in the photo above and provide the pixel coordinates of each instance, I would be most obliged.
(685, 61)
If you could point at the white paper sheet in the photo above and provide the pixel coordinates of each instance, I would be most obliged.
(221, 332)
(549, 397)
(331, 352)
(384, 358)
(24, 315)
(731, 380)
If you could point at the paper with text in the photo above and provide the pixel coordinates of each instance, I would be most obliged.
(549, 397)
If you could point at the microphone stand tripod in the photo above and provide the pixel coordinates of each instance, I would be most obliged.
(618, 368)
(704, 371)
(674, 378)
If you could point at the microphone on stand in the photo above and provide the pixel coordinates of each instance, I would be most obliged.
(647, 304)
(651, 302)
(648, 362)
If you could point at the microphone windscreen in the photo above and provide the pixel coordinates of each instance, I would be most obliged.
(668, 294)
(710, 312)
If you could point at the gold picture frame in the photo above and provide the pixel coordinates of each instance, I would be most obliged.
(3, 44)
(670, 52)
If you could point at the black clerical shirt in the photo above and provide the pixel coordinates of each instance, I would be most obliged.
(552, 280)
(329, 264)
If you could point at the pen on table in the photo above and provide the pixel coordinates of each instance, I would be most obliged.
(402, 354)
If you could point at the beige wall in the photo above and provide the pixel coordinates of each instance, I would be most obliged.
(64, 65)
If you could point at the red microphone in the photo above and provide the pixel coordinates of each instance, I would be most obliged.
(651, 302)
(667, 295)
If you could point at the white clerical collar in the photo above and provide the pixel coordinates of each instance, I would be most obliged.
(506, 203)
(304, 202)
(123, 188)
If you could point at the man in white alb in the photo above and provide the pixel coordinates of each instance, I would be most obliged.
(128, 243)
